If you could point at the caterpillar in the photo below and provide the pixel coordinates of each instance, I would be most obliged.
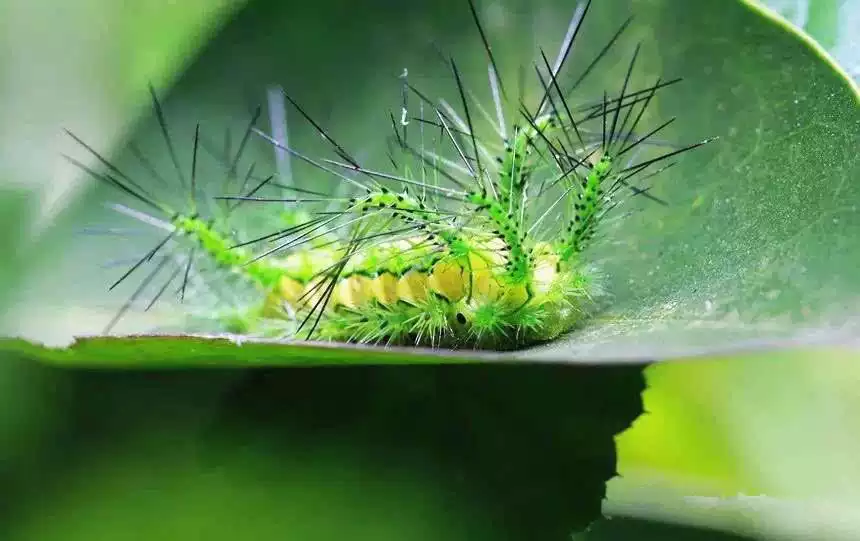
(480, 244)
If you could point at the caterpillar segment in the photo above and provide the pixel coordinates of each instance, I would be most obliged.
(434, 301)
(441, 289)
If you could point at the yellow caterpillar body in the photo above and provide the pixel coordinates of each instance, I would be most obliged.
(455, 301)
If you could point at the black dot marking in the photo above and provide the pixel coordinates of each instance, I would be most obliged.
(461, 319)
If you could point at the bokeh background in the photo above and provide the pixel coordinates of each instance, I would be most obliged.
(765, 444)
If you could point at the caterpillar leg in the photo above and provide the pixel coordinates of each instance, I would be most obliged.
(397, 324)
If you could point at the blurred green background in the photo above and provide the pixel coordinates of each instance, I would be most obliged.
(765, 444)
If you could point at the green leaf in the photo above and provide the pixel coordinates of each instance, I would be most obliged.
(624, 529)
(420, 452)
(757, 247)
(109, 51)
(713, 449)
